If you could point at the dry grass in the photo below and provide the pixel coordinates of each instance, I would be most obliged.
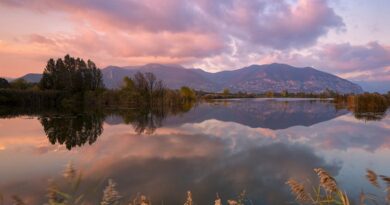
(17, 201)
(387, 181)
(332, 194)
(326, 180)
(326, 193)
(110, 195)
(189, 198)
(372, 178)
(299, 191)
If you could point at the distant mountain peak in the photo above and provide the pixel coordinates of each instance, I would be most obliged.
(276, 77)
(255, 78)
(164, 65)
(32, 77)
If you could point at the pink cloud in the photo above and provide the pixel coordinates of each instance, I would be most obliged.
(352, 57)
(362, 62)
(36, 38)
(275, 24)
(368, 62)
(220, 34)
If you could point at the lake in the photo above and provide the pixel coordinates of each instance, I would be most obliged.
(218, 147)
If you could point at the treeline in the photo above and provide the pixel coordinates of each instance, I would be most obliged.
(365, 101)
(72, 82)
(270, 94)
(366, 106)
(144, 90)
(63, 84)
(18, 84)
(31, 98)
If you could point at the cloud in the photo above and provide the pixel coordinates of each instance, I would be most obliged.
(356, 57)
(180, 31)
(254, 170)
(343, 134)
(36, 38)
(213, 35)
(358, 62)
(367, 62)
(282, 26)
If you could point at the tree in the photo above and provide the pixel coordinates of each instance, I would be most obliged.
(72, 75)
(20, 84)
(60, 77)
(128, 84)
(270, 94)
(151, 82)
(96, 76)
(141, 86)
(147, 88)
(284, 93)
(4, 83)
(47, 81)
(187, 93)
(226, 91)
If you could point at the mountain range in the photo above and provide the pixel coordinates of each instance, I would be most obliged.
(254, 79)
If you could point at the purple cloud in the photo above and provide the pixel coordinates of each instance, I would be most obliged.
(275, 24)
(357, 57)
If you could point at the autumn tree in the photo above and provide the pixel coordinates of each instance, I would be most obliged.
(128, 84)
(187, 93)
(226, 91)
(145, 87)
(269, 94)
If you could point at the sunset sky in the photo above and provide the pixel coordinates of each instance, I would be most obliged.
(349, 38)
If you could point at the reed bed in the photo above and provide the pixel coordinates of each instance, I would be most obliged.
(327, 192)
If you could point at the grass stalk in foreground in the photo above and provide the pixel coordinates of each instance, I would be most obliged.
(328, 192)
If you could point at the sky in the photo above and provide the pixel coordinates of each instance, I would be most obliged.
(349, 38)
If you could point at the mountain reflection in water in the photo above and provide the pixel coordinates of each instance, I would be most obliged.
(224, 147)
(77, 129)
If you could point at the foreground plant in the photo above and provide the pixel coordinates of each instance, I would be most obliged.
(372, 177)
(72, 195)
(76, 196)
(328, 192)
(110, 195)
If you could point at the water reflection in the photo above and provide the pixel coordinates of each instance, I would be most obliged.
(73, 130)
(85, 127)
(166, 177)
(259, 113)
(254, 170)
(369, 116)
(164, 153)
(144, 121)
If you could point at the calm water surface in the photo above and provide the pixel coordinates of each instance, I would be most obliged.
(224, 147)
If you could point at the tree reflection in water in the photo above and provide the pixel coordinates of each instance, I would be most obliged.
(370, 116)
(147, 119)
(367, 106)
(144, 120)
(78, 129)
(73, 130)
